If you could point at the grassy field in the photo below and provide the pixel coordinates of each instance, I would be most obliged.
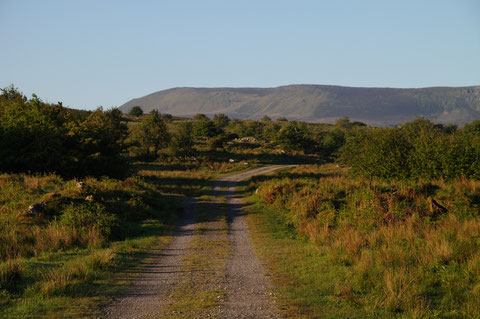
(78, 248)
(348, 247)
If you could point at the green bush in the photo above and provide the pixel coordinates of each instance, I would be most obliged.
(418, 149)
(136, 111)
(89, 215)
(41, 137)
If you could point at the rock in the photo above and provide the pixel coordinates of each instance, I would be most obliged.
(89, 198)
(231, 160)
(37, 208)
(245, 163)
(80, 185)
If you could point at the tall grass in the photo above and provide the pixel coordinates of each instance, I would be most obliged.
(411, 247)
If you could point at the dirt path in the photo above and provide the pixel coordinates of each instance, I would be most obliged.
(150, 291)
(249, 292)
(183, 269)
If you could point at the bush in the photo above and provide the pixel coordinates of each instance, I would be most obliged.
(10, 273)
(418, 149)
(295, 136)
(41, 137)
(89, 215)
(151, 135)
(136, 111)
(206, 128)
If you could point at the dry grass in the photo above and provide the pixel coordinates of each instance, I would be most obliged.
(403, 255)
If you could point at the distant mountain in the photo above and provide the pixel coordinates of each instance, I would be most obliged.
(320, 103)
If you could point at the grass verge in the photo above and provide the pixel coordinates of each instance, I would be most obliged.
(301, 271)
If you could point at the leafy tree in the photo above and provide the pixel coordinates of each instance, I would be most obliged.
(168, 118)
(266, 118)
(270, 130)
(295, 136)
(381, 152)
(200, 117)
(331, 141)
(101, 143)
(136, 111)
(221, 120)
(418, 149)
(282, 119)
(152, 135)
(41, 137)
(206, 128)
(182, 140)
(343, 122)
(472, 128)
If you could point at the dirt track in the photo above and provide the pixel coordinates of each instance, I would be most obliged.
(246, 287)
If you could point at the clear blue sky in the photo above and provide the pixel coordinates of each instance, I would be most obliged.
(90, 53)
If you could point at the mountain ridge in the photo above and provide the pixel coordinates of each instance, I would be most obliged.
(320, 103)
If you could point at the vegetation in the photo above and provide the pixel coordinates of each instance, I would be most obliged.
(41, 137)
(319, 103)
(418, 149)
(390, 248)
(392, 229)
(150, 136)
(136, 111)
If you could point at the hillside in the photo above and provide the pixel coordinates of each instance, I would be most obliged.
(320, 103)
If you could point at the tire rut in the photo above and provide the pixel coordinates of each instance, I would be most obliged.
(149, 293)
(247, 291)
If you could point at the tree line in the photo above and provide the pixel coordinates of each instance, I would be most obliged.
(40, 137)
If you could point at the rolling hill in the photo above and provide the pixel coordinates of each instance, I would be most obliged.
(320, 103)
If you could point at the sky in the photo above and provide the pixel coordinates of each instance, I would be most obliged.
(88, 53)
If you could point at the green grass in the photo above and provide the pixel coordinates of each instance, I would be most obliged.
(74, 256)
(343, 247)
(73, 283)
(302, 272)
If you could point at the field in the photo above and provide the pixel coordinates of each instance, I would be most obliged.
(371, 222)
(79, 250)
(343, 246)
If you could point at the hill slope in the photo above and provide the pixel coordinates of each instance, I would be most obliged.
(320, 103)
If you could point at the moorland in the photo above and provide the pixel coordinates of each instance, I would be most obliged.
(371, 221)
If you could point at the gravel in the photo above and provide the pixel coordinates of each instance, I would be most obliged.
(248, 291)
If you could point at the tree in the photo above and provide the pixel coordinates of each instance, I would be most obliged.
(221, 120)
(152, 134)
(200, 117)
(41, 137)
(99, 144)
(343, 122)
(168, 118)
(182, 140)
(295, 137)
(266, 118)
(472, 128)
(136, 111)
(206, 128)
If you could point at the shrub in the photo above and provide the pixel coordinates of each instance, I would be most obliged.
(10, 273)
(89, 215)
(418, 149)
(151, 135)
(41, 137)
(136, 111)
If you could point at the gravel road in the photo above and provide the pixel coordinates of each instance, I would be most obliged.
(249, 291)
(149, 292)
(247, 288)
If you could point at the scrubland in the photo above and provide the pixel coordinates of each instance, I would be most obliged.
(386, 248)
(392, 230)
